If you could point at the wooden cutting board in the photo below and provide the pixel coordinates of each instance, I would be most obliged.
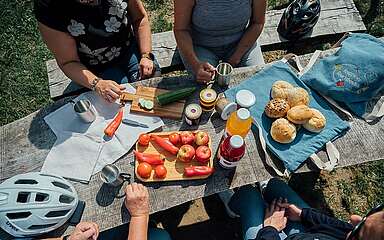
(175, 168)
(172, 110)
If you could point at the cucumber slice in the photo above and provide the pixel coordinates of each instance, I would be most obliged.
(142, 102)
(148, 104)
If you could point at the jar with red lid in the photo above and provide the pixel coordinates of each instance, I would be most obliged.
(232, 149)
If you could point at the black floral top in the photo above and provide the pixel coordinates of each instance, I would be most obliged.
(102, 32)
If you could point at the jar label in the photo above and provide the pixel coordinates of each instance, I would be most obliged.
(227, 164)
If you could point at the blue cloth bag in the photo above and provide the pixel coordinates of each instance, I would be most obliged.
(354, 75)
(306, 143)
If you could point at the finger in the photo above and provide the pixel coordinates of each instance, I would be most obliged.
(97, 229)
(116, 89)
(121, 87)
(277, 206)
(113, 95)
(141, 70)
(128, 190)
(89, 233)
(135, 188)
(208, 66)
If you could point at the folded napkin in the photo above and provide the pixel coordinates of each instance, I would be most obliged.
(82, 149)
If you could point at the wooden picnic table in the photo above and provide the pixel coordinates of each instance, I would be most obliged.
(25, 144)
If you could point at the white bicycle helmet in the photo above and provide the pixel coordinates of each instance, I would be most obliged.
(35, 203)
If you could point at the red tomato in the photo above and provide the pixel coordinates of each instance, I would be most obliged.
(160, 171)
(144, 139)
(175, 138)
(144, 170)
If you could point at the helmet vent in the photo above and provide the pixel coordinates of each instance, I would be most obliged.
(41, 197)
(18, 215)
(61, 213)
(62, 185)
(36, 227)
(23, 197)
(26, 181)
(66, 199)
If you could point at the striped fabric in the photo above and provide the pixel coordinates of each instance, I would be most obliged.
(219, 22)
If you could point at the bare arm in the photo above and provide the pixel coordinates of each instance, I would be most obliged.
(63, 47)
(137, 203)
(138, 228)
(182, 31)
(142, 29)
(252, 33)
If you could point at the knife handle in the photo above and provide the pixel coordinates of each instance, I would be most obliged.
(127, 97)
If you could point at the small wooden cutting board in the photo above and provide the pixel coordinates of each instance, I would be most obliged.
(172, 110)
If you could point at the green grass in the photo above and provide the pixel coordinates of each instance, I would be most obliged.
(23, 77)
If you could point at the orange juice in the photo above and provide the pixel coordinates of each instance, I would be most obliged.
(239, 123)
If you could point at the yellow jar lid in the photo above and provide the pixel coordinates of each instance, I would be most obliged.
(208, 95)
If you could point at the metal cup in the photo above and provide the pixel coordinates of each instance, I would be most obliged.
(84, 110)
(223, 74)
(110, 174)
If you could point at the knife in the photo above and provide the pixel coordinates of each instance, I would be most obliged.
(135, 123)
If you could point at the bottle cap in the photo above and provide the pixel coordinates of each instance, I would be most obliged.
(243, 114)
(228, 109)
(193, 111)
(208, 95)
(245, 98)
(236, 141)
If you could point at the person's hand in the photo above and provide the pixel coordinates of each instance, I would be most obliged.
(85, 231)
(146, 68)
(291, 211)
(109, 89)
(137, 200)
(275, 216)
(204, 72)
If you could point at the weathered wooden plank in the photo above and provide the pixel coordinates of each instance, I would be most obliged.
(25, 144)
(336, 17)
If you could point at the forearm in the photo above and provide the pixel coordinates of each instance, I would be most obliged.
(78, 73)
(142, 30)
(247, 41)
(311, 217)
(185, 46)
(138, 228)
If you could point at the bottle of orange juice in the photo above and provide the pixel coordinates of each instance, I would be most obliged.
(239, 123)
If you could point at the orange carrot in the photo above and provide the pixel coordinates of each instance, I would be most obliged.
(112, 126)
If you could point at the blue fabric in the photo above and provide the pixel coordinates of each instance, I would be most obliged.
(354, 75)
(249, 204)
(306, 143)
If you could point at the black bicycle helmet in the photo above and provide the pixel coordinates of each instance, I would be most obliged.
(299, 18)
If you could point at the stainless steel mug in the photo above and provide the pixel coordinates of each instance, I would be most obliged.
(110, 174)
(84, 110)
(223, 74)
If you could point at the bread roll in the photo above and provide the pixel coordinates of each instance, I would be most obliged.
(283, 131)
(280, 89)
(316, 123)
(297, 96)
(299, 114)
(276, 108)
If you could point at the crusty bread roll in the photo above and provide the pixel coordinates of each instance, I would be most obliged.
(283, 131)
(316, 123)
(276, 108)
(280, 89)
(299, 114)
(297, 96)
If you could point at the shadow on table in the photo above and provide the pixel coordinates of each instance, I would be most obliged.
(107, 194)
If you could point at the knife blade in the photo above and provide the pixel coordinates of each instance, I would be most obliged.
(135, 123)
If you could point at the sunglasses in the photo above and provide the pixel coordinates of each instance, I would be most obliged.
(356, 230)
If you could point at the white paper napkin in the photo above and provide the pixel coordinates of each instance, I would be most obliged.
(82, 149)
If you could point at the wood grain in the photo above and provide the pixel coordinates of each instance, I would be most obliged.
(175, 168)
(172, 110)
(26, 142)
(336, 18)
